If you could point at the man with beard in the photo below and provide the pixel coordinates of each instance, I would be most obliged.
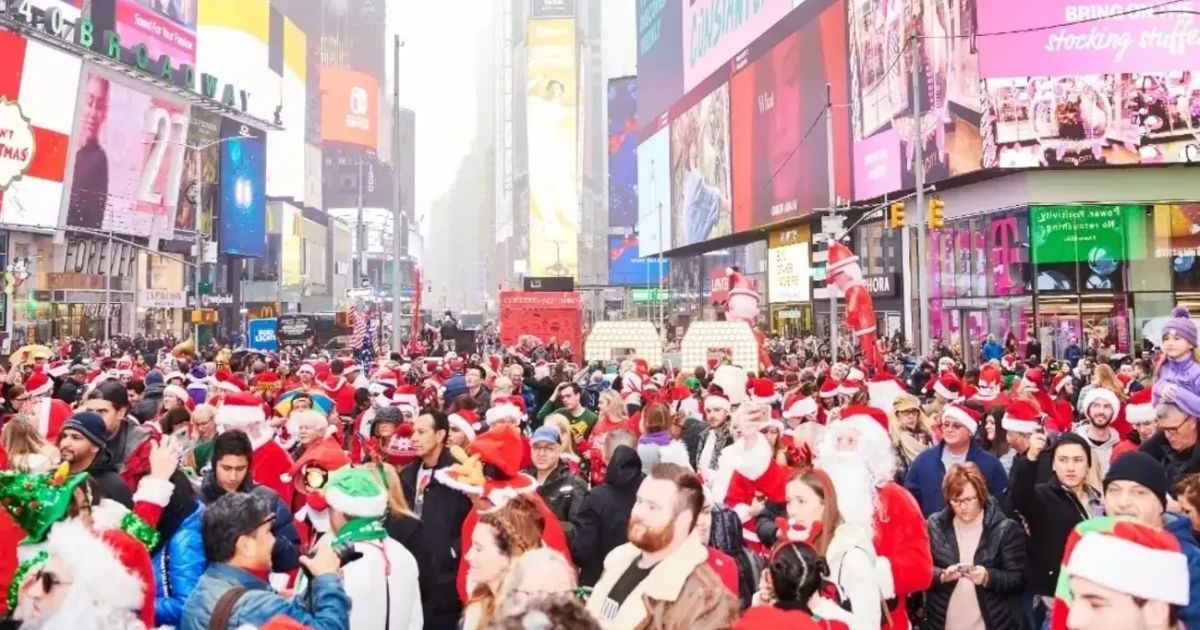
(1099, 407)
(661, 577)
(706, 454)
(81, 445)
(857, 454)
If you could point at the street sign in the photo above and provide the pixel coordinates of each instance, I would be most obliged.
(261, 333)
(833, 224)
(650, 296)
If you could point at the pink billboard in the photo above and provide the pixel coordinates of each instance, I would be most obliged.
(166, 28)
(716, 30)
(1094, 37)
(877, 164)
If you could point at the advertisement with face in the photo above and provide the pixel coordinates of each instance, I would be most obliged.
(654, 193)
(166, 27)
(700, 170)
(714, 31)
(881, 60)
(349, 107)
(126, 163)
(553, 158)
(198, 195)
(243, 190)
(622, 152)
(660, 57)
(779, 143)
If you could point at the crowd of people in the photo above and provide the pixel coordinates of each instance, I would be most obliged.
(144, 487)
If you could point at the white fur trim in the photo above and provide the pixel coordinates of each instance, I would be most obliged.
(95, 567)
(240, 415)
(944, 392)
(1127, 567)
(717, 402)
(1140, 414)
(883, 574)
(108, 515)
(956, 413)
(443, 476)
(229, 387)
(751, 461)
(801, 408)
(774, 423)
(503, 412)
(1015, 425)
(370, 506)
(177, 392)
(285, 478)
(306, 369)
(464, 426)
(405, 400)
(155, 491)
(848, 388)
(743, 512)
(44, 390)
(1097, 394)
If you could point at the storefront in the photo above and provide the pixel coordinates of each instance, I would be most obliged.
(91, 291)
(699, 284)
(1101, 276)
(789, 281)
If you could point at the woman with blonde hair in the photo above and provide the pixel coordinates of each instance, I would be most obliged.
(27, 451)
(612, 415)
(560, 422)
(500, 538)
(538, 574)
(911, 432)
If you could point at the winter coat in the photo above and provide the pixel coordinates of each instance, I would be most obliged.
(1185, 375)
(104, 471)
(1179, 464)
(563, 492)
(681, 591)
(178, 565)
(285, 555)
(147, 408)
(925, 476)
(259, 604)
(443, 512)
(1001, 551)
(1181, 528)
(383, 585)
(1051, 512)
(602, 524)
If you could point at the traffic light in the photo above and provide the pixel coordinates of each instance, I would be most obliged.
(937, 210)
(896, 215)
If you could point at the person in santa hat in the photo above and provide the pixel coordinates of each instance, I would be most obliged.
(506, 411)
(1020, 421)
(244, 412)
(309, 476)
(339, 389)
(763, 392)
(1099, 407)
(989, 391)
(1140, 413)
(705, 458)
(803, 428)
(857, 454)
(391, 439)
(755, 473)
(464, 428)
(960, 423)
(829, 402)
(489, 474)
(49, 412)
(1033, 383)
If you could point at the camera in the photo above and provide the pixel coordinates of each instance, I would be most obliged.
(346, 554)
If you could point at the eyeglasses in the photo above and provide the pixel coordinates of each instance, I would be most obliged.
(952, 425)
(963, 501)
(48, 580)
(1175, 429)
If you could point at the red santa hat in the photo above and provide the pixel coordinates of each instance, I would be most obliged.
(406, 398)
(1099, 394)
(1140, 409)
(798, 406)
(990, 382)
(1059, 383)
(1032, 380)
(490, 467)
(1009, 362)
(849, 387)
(306, 368)
(181, 394)
(38, 384)
(59, 369)
(829, 389)
(1128, 557)
(840, 257)
(467, 421)
(866, 419)
(962, 414)
(111, 567)
(739, 284)
(386, 378)
(52, 415)
(1021, 416)
(762, 391)
(948, 387)
(717, 400)
(240, 410)
(504, 408)
(774, 422)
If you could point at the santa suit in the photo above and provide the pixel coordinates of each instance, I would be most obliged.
(755, 472)
(272, 466)
(52, 414)
(342, 394)
(860, 317)
(902, 544)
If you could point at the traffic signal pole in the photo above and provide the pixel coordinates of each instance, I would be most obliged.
(922, 211)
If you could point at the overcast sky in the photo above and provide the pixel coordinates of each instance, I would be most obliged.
(437, 66)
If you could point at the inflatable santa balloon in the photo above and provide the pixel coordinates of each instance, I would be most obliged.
(846, 274)
(742, 306)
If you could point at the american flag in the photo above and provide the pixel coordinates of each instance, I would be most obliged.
(360, 327)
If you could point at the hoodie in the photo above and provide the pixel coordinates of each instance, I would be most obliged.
(1101, 453)
(1184, 374)
(603, 522)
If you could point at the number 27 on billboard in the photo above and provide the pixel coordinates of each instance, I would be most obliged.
(169, 146)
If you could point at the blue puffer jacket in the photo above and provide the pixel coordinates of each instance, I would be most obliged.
(178, 565)
(1181, 528)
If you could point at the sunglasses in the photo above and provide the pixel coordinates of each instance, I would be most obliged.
(48, 581)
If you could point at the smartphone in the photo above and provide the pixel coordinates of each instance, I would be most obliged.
(964, 568)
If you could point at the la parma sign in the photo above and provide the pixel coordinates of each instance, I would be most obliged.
(82, 33)
(16, 143)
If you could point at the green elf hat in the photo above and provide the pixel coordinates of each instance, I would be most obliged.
(1126, 556)
(37, 501)
(356, 493)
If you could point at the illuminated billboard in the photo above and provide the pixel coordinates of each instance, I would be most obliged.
(654, 193)
(349, 107)
(715, 30)
(622, 152)
(165, 27)
(243, 190)
(660, 57)
(700, 200)
(551, 109)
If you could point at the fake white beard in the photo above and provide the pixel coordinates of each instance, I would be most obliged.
(855, 487)
(79, 611)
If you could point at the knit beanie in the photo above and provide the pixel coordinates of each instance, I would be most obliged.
(1181, 324)
(1141, 469)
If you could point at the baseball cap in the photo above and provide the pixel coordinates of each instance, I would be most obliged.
(546, 434)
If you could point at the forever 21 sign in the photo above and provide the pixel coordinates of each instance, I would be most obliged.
(100, 258)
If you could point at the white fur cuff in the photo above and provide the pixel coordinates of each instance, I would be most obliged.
(154, 491)
(883, 574)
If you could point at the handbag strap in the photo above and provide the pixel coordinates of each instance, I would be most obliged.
(223, 611)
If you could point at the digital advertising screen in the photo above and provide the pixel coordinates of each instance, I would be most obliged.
(243, 216)
(349, 107)
(714, 31)
(551, 123)
(166, 27)
(779, 142)
(127, 157)
(660, 57)
(700, 180)
(627, 268)
(622, 152)
(654, 193)
(198, 194)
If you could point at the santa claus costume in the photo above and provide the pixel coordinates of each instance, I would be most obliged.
(489, 472)
(271, 466)
(862, 476)
(845, 273)
(52, 413)
(989, 391)
(309, 476)
(342, 393)
(742, 306)
(756, 472)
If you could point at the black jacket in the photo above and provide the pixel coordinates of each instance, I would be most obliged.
(409, 532)
(1178, 464)
(563, 493)
(104, 471)
(1001, 551)
(1050, 512)
(602, 524)
(147, 407)
(442, 514)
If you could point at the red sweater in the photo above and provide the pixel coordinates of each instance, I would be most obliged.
(725, 568)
